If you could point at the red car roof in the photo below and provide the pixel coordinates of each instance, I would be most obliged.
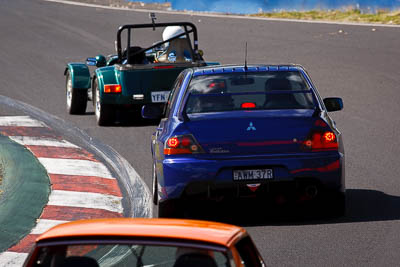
(196, 230)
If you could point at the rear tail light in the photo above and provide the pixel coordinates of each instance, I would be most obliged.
(173, 142)
(321, 141)
(248, 105)
(164, 67)
(112, 88)
(182, 144)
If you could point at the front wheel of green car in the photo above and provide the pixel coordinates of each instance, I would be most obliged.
(105, 114)
(76, 99)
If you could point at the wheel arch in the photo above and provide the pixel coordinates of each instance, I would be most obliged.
(80, 75)
(105, 75)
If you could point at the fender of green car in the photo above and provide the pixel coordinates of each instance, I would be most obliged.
(105, 75)
(80, 75)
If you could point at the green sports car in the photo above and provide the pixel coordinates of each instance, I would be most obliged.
(137, 74)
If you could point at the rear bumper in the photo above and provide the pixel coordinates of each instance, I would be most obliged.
(121, 99)
(213, 179)
(128, 103)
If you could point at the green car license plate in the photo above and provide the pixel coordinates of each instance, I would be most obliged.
(159, 97)
(255, 174)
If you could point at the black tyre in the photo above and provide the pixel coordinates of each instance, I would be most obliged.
(105, 114)
(76, 99)
(154, 186)
(169, 209)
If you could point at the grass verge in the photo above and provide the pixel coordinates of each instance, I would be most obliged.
(349, 15)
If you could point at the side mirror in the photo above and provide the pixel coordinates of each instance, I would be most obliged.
(98, 61)
(152, 112)
(333, 103)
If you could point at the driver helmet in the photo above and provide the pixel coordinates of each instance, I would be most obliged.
(172, 31)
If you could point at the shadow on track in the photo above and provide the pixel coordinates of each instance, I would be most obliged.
(135, 122)
(132, 119)
(129, 119)
(362, 206)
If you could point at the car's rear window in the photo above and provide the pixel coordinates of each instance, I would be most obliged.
(260, 90)
(122, 255)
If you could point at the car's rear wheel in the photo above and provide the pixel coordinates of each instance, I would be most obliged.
(105, 114)
(155, 186)
(76, 99)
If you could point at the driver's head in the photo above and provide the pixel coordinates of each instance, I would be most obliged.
(177, 49)
(172, 31)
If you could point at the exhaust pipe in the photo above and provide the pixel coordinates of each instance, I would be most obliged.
(311, 191)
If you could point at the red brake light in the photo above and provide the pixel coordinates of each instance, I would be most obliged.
(321, 141)
(112, 88)
(248, 105)
(173, 142)
(164, 67)
(186, 141)
(329, 137)
(183, 144)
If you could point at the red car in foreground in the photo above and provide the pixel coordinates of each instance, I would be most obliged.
(144, 242)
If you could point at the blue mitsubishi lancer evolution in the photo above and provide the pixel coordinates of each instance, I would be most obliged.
(259, 131)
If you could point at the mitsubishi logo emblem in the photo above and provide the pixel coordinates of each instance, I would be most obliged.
(251, 127)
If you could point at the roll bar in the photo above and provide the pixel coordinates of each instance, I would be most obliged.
(187, 26)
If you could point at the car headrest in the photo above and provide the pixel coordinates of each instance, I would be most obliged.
(134, 58)
(195, 260)
(179, 46)
(273, 84)
(79, 261)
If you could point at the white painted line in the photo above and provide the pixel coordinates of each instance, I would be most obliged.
(85, 200)
(75, 167)
(39, 141)
(24, 121)
(43, 225)
(12, 258)
(215, 15)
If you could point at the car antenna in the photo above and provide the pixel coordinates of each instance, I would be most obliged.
(152, 16)
(245, 59)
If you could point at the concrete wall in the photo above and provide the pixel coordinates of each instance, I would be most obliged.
(254, 6)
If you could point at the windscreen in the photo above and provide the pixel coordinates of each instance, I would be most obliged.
(132, 255)
(252, 91)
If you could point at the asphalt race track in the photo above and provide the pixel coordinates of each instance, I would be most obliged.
(361, 64)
